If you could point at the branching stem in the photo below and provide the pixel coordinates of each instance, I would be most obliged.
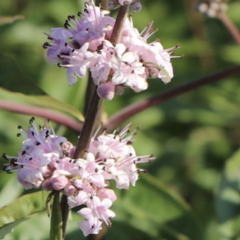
(136, 108)
(230, 26)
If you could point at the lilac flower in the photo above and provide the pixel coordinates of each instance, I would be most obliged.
(90, 226)
(46, 160)
(96, 212)
(118, 157)
(37, 151)
(84, 44)
(58, 46)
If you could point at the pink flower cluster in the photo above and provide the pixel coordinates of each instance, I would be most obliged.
(46, 160)
(85, 44)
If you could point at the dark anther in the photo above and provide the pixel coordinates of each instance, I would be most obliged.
(30, 159)
(23, 152)
(19, 127)
(59, 65)
(38, 143)
(4, 156)
(71, 17)
(96, 170)
(66, 24)
(19, 135)
(46, 45)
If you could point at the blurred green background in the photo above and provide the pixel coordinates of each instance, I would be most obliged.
(189, 192)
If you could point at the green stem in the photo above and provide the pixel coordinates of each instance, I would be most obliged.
(65, 213)
(56, 219)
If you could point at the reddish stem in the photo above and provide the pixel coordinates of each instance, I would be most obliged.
(41, 112)
(230, 26)
(136, 108)
(88, 125)
(118, 26)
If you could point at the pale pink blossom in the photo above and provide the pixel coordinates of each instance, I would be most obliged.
(59, 37)
(85, 44)
(116, 154)
(59, 182)
(97, 208)
(36, 153)
(78, 199)
(45, 160)
(106, 193)
(91, 226)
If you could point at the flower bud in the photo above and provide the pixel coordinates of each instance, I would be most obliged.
(106, 91)
(136, 6)
(59, 182)
(47, 185)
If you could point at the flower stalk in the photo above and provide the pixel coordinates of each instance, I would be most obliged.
(88, 125)
(56, 229)
(92, 113)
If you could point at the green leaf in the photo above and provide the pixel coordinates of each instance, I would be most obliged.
(56, 219)
(228, 199)
(157, 211)
(8, 191)
(20, 210)
(15, 86)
